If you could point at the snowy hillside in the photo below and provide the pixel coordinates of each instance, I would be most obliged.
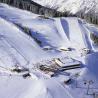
(47, 57)
(73, 6)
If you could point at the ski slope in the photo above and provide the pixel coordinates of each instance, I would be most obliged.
(15, 45)
(68, 40)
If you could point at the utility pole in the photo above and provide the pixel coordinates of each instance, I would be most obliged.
(88, 83)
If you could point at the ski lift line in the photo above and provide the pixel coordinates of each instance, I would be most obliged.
(16, 51)
(8, 69)
(4, 64)
(10, 54)
(15, 48)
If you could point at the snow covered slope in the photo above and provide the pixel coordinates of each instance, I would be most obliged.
(24, 38)
(56, 33)
(71, 5)
(16, 44)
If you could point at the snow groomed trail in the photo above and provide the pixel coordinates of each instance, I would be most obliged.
(74, 32)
